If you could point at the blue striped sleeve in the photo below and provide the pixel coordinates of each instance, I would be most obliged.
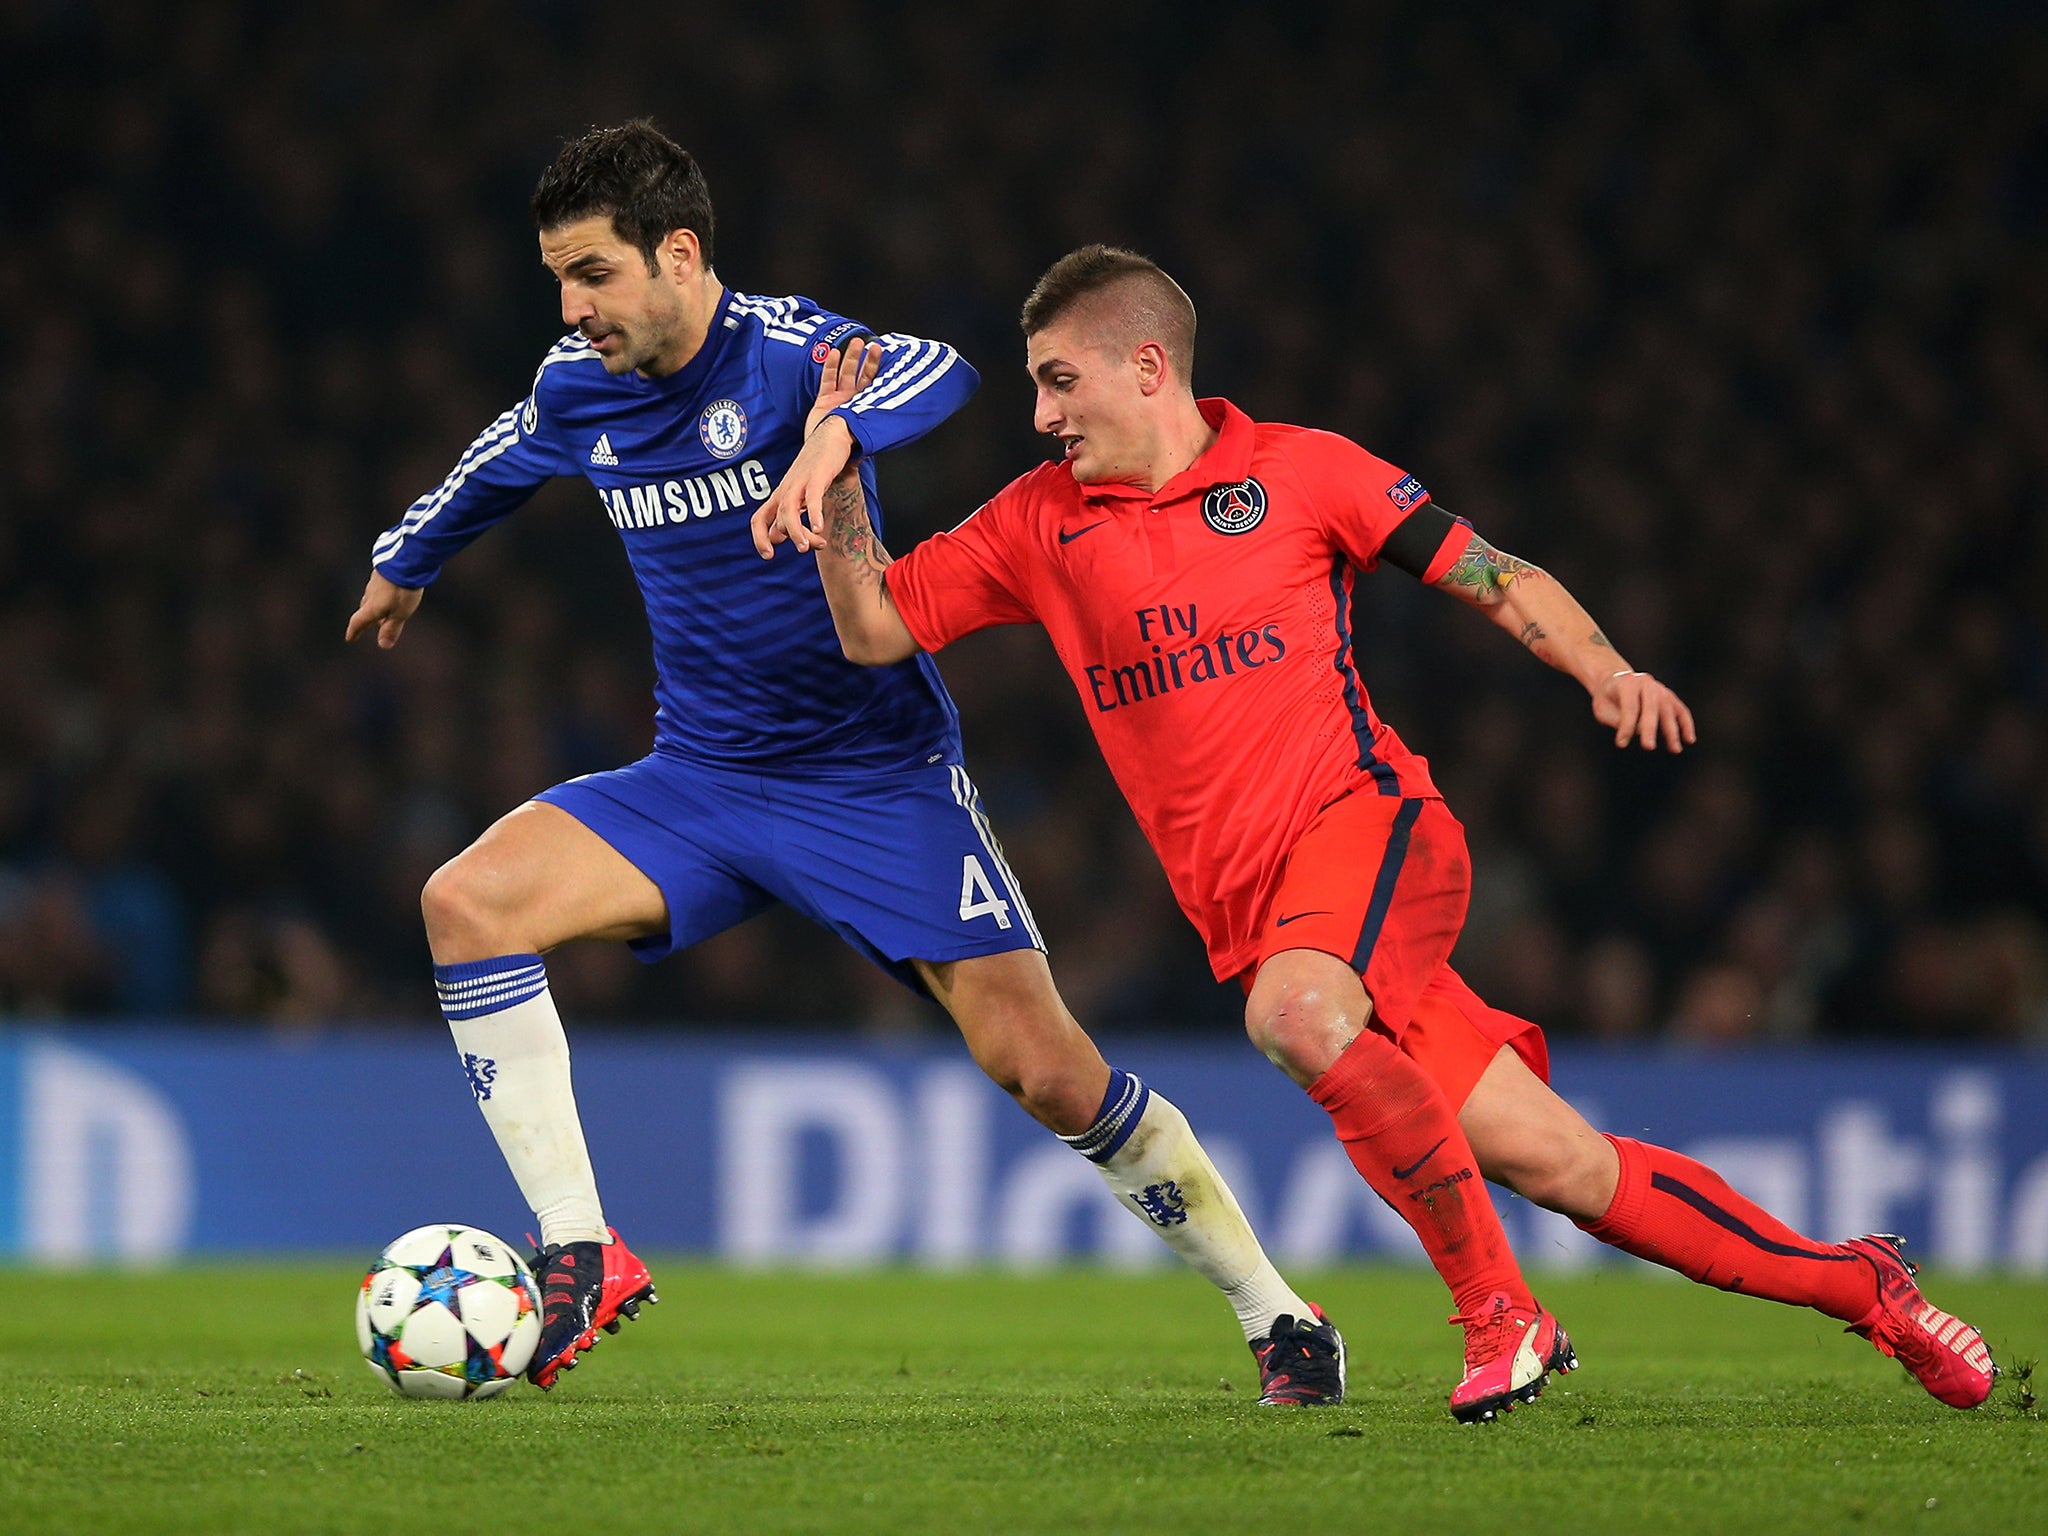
(509, 460)
(921, 383)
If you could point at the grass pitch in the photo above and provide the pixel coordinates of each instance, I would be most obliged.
(230, 1399)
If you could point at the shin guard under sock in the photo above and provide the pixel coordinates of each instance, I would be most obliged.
(1404, 1139)
(1676, 1212)
(517, 1060)
(1151, 1160)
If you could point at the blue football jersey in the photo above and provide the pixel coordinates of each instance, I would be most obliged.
(748, 667)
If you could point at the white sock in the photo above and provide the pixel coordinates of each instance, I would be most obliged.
(1149, 1156)
(517, 1061)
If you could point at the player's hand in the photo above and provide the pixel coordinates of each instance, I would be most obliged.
(795, 513)
(847, 371)
(385, 606)
(1639, 708)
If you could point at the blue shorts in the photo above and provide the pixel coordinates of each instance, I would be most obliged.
(903, 866)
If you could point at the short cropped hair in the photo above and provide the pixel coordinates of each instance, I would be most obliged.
(645, 182)
(1129, 292)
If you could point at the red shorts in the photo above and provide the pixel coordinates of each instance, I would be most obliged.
(1382, 883)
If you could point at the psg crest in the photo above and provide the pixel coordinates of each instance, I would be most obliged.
(1235, 508)
(723, 427)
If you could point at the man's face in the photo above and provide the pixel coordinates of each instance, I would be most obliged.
(1089, 398)
(634, 318)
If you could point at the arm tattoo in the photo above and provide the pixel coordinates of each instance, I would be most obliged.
(1482, 575)
(1531, 633)
(1596, 638)
(851, 534)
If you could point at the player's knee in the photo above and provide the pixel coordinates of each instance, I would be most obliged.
(1046, 1087)
(1059, 1099)
(1049, 1085)
(998, 1059)
(1022, 1036)
(458, 910)
(1299, 1029)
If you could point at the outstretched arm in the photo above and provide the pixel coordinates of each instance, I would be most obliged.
(950, 585)
(1531, 605)
(836, 525)
(799, 520)
(850, 563)
(901, 388)
(506, 464)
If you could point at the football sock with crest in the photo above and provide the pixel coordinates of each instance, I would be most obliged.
(516, 1058)
(1405, 1141)
(1149, 1157)
(1676, 1212)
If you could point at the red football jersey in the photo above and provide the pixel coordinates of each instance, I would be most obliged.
(1207, 629)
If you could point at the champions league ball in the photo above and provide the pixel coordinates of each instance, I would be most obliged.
(448, 1312)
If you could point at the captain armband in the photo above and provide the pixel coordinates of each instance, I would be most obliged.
(1415, 544)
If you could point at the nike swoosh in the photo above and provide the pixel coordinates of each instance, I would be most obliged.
(1295, 917)
(1068, 538)
(1409, 1171)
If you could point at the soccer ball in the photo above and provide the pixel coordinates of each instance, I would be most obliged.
(448, 1311)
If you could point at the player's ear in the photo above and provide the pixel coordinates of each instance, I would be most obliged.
(681, 255)
(1150, 362)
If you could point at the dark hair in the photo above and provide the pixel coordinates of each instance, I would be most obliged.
(647, 183)
(1147, 304)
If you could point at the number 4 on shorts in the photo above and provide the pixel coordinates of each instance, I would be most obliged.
(978, 897)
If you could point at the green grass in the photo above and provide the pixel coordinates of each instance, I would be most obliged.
(230, 1398)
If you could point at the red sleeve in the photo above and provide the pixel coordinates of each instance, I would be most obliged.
(1456, 539)
(967, 579)
(1364, 499)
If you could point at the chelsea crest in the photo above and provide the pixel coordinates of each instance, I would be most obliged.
(723, 428)
(1234, 509)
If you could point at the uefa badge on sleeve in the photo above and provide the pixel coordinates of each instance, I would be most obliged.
(1407, 493)
(723, 428)
(1235, 509)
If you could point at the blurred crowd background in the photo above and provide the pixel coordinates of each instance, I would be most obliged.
(1732, 315)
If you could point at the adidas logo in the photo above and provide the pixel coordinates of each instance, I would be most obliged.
(602, 453)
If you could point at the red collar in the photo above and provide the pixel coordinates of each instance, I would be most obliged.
(1225, 462)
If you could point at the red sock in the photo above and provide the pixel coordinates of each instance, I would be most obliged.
(1681, 1214)
(1404, 1139)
